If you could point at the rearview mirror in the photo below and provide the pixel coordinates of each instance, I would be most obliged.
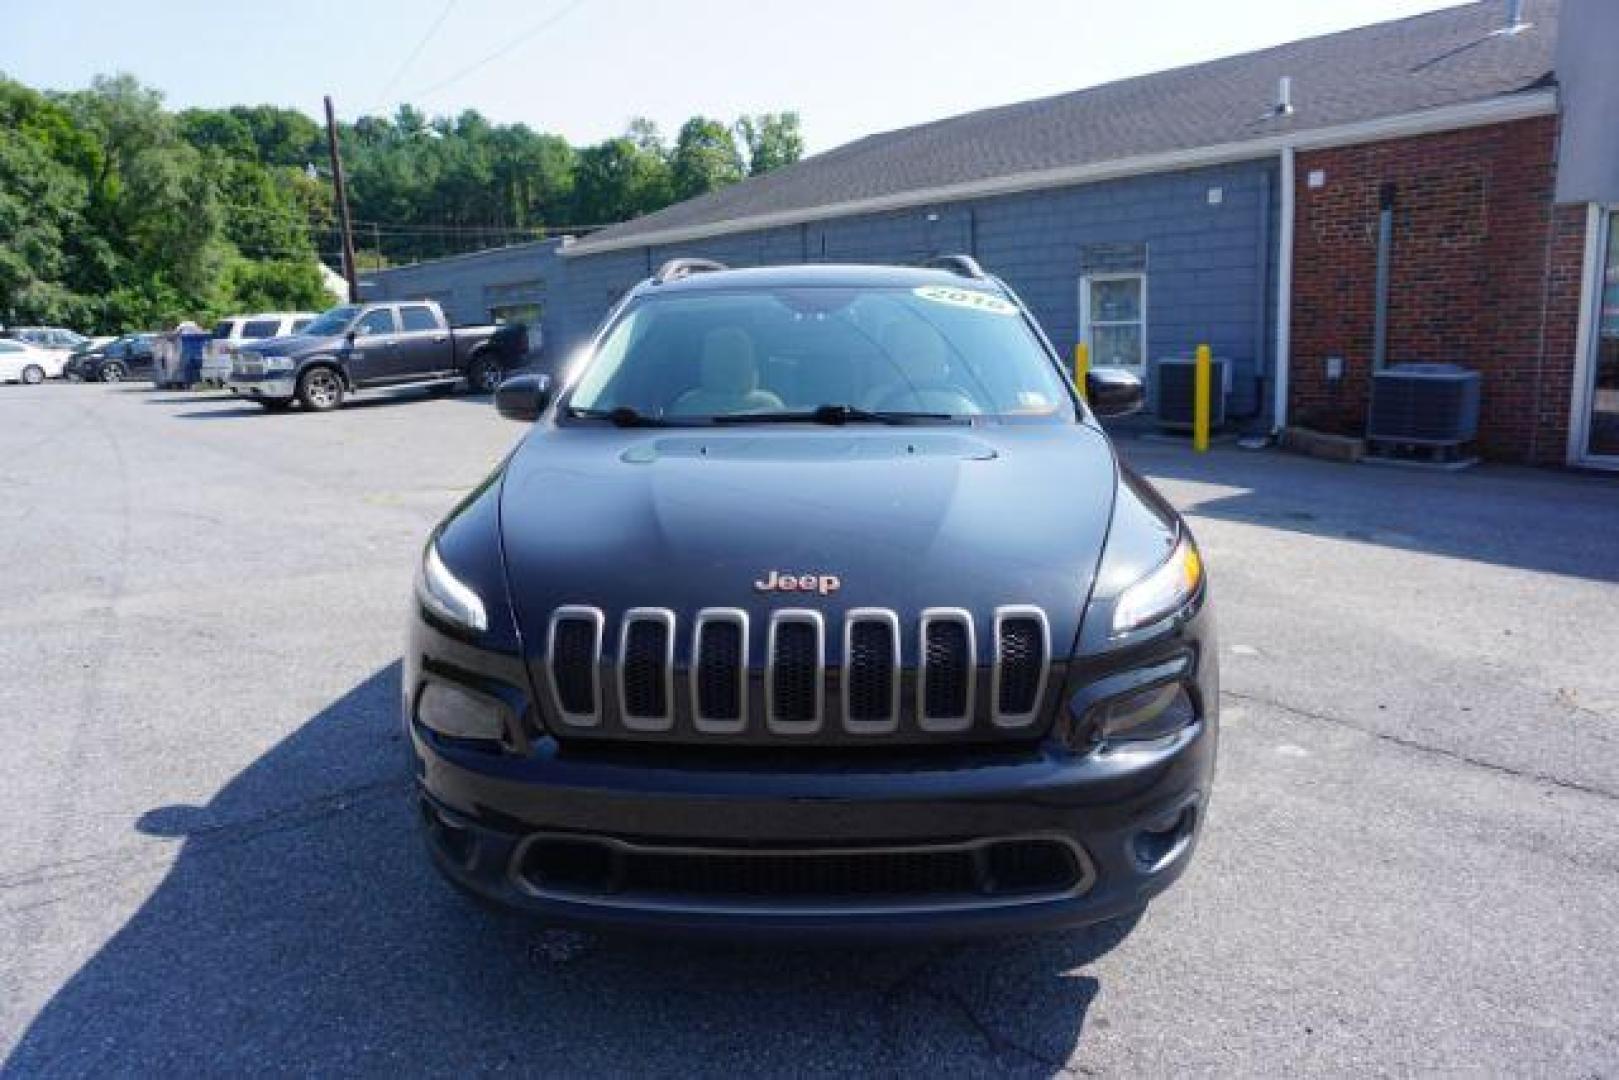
(1114, 391)
(523, 397)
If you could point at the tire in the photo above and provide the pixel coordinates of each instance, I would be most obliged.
(320, 389)
(483, 375)
(112, 372)
(33, 374)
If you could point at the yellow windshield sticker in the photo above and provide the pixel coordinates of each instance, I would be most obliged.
(967, 298)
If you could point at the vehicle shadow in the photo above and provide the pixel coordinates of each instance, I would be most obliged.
(1482, 514)
(301, 929)
(227, 408)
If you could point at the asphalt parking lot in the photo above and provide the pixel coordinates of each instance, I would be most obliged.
(208, 862)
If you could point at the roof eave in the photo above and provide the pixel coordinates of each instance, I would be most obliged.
(1495, 110)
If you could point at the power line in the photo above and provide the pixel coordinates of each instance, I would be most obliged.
(543, 24)
(315, 221)
(414, 53)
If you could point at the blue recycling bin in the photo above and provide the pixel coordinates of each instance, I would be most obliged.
(177, 359)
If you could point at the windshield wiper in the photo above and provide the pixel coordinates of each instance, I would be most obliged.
(837, 415)
(622, 416)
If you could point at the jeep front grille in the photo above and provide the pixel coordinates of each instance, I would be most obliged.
(945, 682)
(871, 669)
(1020, 664)
(573, 665)
(870, 674)
(795, 673)
(646, 669)
(720, 671)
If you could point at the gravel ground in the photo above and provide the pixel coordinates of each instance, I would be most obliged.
(209, 864)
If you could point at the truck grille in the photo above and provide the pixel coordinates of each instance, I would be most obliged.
(872, 674)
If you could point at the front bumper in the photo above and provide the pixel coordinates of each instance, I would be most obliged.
(268, 387)
(1132, 815)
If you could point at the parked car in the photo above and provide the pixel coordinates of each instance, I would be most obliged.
(52, 339)
(25, 363)
(120, 359)
(73, 367)
(820, 602)
(229, 334)
(369, 346)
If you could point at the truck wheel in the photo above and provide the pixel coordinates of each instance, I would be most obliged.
(484, 375)
(112, 372)
(33, 374)
(320, 389)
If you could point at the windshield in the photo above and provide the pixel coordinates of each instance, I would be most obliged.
(939, 351)
(333, 321)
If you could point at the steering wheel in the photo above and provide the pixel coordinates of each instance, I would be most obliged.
(928, 398)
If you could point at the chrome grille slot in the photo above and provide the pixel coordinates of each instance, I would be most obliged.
(719, 683)
(1022, 653)
(646, 669)
(573, 665)
(948, 668)
(871, 667)
(795, 668)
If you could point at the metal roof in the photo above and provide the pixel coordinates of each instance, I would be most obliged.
(1444, 59)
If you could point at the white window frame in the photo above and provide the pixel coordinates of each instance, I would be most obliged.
(1085, 283)
(1599, 221)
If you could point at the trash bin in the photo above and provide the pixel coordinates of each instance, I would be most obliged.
(177, 359)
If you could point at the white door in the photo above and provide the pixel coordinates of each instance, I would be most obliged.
(1113, 320)
(1596, 420)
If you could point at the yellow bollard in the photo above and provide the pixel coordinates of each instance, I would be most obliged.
(1200, 401)
(1082, 365)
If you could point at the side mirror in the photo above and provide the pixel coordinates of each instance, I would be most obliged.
(1114, 391)
(523, 397)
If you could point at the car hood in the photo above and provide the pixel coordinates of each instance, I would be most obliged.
(285, 346)
(904, 518)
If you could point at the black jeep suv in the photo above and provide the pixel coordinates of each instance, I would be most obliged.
(818, 602)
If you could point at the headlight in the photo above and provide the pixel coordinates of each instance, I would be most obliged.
(278, 363)
(1161, 592)
(447, 596)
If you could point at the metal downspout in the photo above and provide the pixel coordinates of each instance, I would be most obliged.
(1284, 292)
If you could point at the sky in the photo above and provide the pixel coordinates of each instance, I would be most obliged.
(583, 68)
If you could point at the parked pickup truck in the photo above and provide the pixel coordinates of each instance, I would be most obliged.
(372, 346)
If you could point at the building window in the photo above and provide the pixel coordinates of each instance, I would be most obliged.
(1113, 319)
(516, 313)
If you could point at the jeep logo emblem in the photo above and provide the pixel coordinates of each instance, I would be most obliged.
(776, 581)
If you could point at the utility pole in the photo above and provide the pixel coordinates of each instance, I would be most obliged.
(350, 271)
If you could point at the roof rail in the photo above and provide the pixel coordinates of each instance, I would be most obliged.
(963, 265)
(675, 269)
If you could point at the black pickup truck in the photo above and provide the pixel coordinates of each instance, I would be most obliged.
(374, 346)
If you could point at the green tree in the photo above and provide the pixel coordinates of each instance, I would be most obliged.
(772, 140)
(705, 157)
(618, 180)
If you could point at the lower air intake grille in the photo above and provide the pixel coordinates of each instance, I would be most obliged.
(971, 874)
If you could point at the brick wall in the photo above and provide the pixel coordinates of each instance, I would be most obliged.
(1485, 273)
